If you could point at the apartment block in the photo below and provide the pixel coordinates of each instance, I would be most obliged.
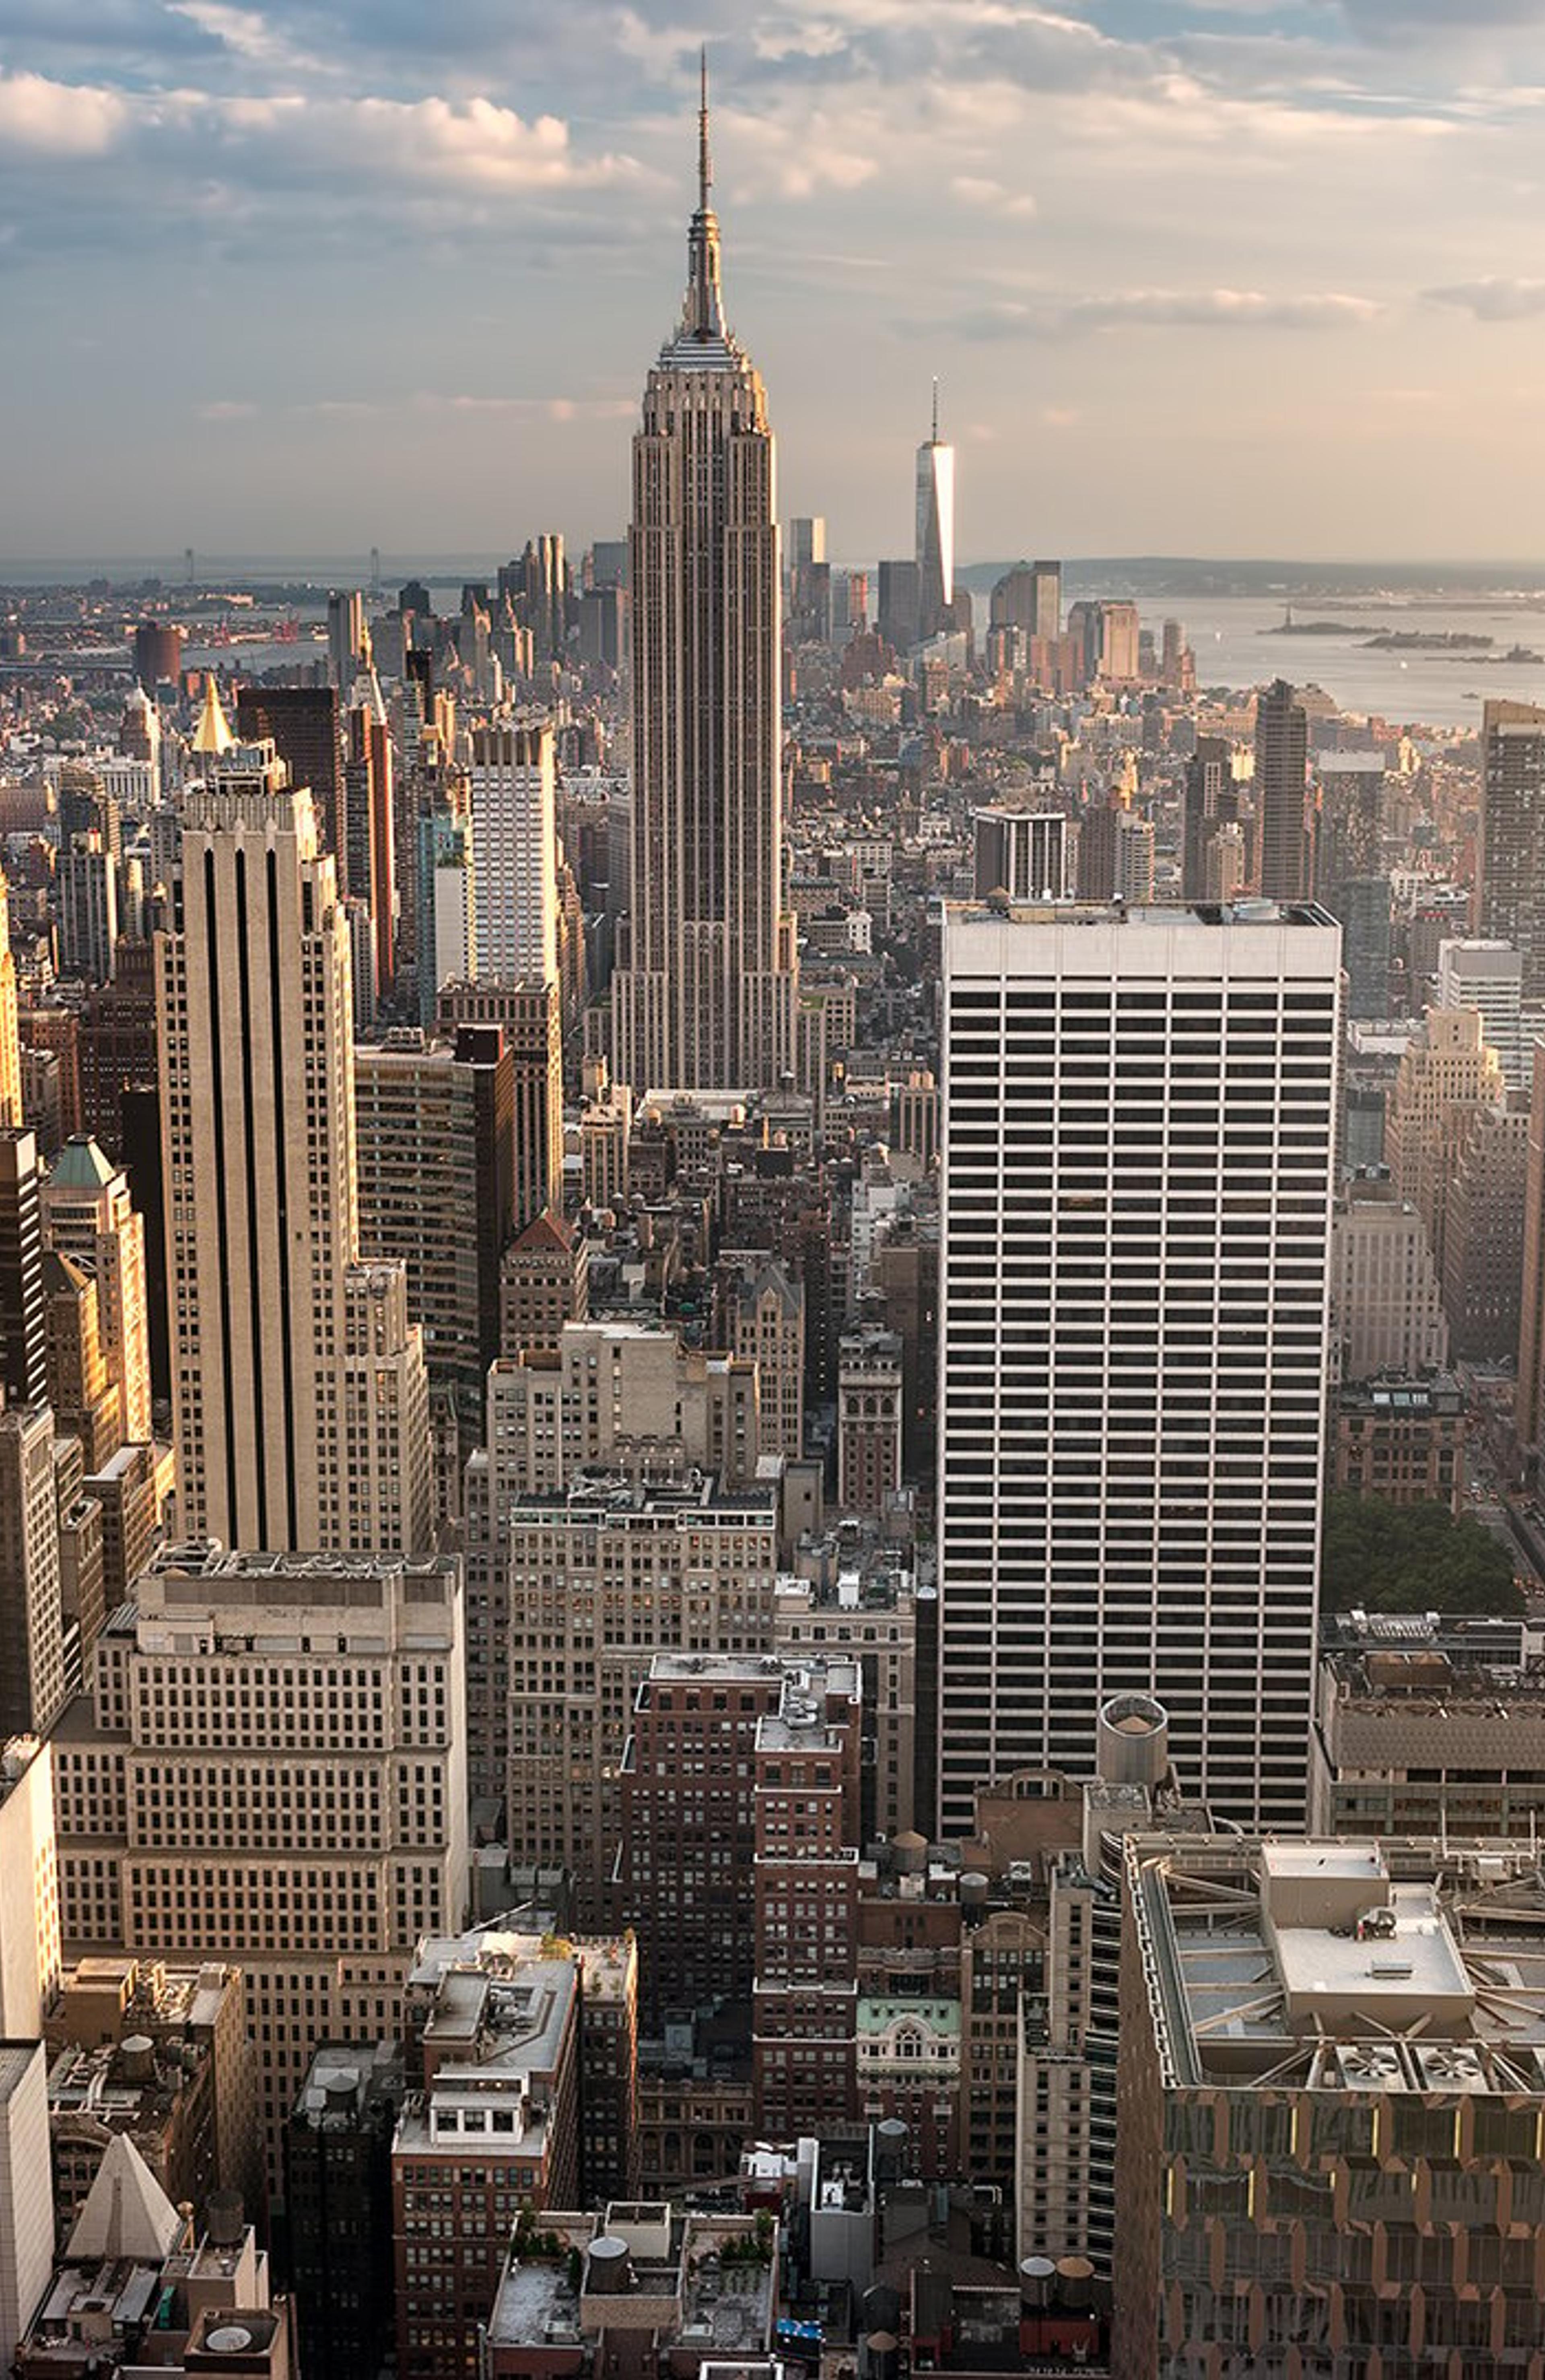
(490, 2137)
(161, 2053)
(860, 1599)
(544, 1283)
(434, 1125)
(338, 2195)
(615, 1397)
(869, 1419)
(810, 2032)
(1447, 1081)
(1426, 1725)
(602, 1580)
(1386, 1299)
(1402, 1440)
(271, 1769)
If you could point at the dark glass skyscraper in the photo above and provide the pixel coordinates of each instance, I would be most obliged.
(1281, 759)
(1513, 835)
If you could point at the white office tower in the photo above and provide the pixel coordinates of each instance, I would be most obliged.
(1490, 975)
(514, 853)
(1138, 1132)
(253, 998)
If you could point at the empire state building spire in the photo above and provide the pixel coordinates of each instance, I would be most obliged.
(703, 995)
(704, 315)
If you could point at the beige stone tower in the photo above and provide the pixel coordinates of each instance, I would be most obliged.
(705, 994)
(254, 1001)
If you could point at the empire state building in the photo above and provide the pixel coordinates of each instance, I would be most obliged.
(704, 998)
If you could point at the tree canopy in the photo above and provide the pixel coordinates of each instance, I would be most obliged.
(1383, 1557)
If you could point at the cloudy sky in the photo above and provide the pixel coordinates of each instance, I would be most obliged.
(1198, 276)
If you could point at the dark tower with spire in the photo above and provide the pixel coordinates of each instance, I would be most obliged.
(704, 994)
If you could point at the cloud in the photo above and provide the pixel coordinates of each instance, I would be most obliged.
(1234, 310)
(1494, 299)
(980, 190)
(531, 408)
(1399, 21)
(796, 154)
(471, 142)
(59, 119)
(244, 31)
(227, 408)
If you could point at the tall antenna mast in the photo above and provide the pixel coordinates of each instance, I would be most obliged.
(705, 163)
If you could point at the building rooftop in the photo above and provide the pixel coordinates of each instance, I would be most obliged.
(483, 2025)
(17, 1755)
(612, 1493)
(938, 2016)
(1390, 1966)
(1415, 1665)
(346, 2080)
(1132, 913)
(15, 2057)
(1399, 1397)
(536, 2303)
(126, 2213)
(80, 1165)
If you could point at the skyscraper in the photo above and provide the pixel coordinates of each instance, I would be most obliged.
(1138, 1164)
(545, 594)
(304, 722)
(275, 1323)
(26, 2190)
(22, 1333)
(807, 542)
(1025, 853)
(366, 854)
(704, 996)
(1029, 597)
(514, 853)
(10, 1045)
(1528, 1418)
(1281, 759)
(527, 1014)
(346, 637)
(1513, 835)
(32, 1681)
(1490, 975)
(935, 529)
(435, 1130)
(1211, 801)
(899, 587)
(88, 1215)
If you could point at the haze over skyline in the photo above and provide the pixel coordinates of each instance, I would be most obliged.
(1239, 279)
